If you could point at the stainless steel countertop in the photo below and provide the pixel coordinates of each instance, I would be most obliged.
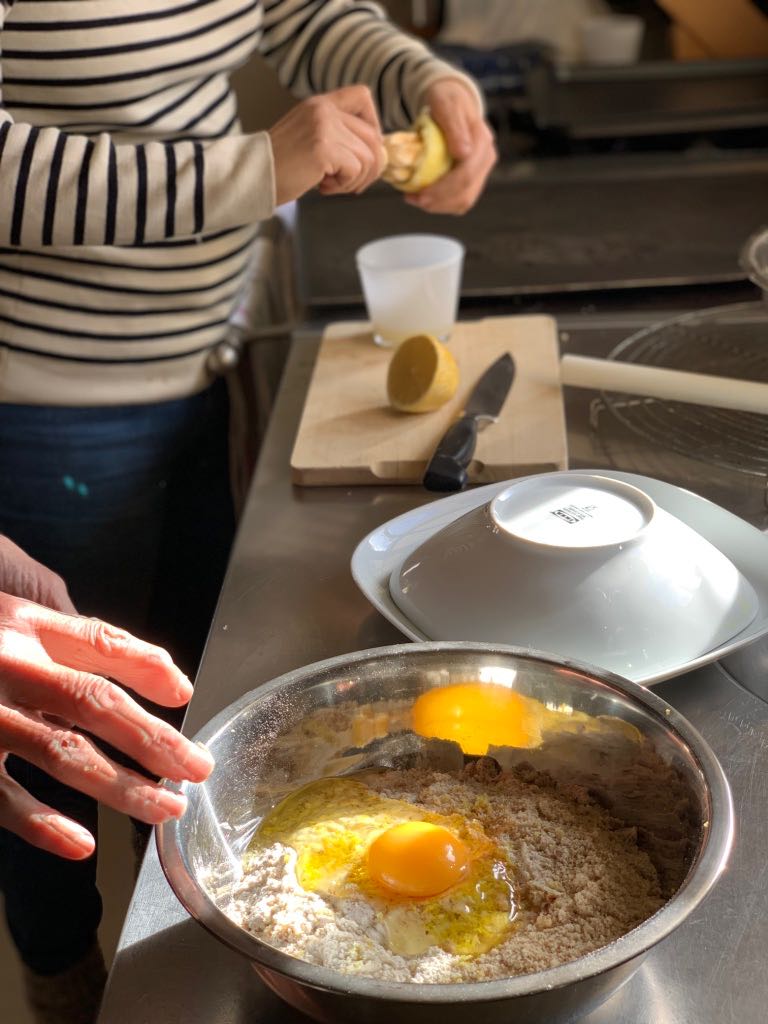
(289, 600)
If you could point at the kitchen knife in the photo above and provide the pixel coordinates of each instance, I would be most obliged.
(447, 469)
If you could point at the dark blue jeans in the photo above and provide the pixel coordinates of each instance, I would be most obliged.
(131, 506)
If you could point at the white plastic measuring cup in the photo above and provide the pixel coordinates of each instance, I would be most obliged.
(411, 285)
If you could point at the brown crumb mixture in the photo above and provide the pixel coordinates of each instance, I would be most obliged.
(581, 881)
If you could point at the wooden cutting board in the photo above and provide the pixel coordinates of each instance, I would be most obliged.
(349, 435)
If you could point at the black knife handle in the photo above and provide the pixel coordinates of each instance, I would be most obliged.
(447, 469)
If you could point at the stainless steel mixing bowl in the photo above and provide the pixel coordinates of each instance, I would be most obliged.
(201, 853)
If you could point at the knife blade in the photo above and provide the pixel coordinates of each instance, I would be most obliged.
(447, 469)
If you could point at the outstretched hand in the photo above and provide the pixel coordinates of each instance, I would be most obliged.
(55, 680)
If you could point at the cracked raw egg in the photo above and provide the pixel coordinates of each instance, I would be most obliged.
(479, 715)
(431, 879)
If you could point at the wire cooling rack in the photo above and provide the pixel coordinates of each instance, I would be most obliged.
(730, 341)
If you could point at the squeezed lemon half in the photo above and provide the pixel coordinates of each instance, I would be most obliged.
(417, 158)
(422, 375)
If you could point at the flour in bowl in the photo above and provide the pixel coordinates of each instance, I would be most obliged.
(576, 876)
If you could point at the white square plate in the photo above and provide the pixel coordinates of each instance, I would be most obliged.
(385, 549)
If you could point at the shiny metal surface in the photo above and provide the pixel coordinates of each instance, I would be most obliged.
(650, 98)
(245, 740)
(289, 600)
(553, 225)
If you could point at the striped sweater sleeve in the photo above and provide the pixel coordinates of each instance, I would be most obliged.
(319, 45)
(68, 189)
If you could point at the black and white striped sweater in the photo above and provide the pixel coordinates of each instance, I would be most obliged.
(129, 193)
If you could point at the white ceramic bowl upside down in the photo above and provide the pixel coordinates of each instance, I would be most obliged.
(580, 566)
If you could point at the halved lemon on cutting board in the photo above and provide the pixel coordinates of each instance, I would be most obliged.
(422, 375)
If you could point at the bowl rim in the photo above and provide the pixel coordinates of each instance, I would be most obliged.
(706, 870)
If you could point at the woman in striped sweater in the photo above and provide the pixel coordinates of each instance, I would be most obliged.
(131, 199)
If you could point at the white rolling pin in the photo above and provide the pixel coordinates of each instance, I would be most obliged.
(659, 382)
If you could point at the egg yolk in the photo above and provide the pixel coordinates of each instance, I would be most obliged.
(479, 715)
(417, 859)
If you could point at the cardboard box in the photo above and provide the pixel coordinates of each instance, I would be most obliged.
(685, 46)
(717, 28)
